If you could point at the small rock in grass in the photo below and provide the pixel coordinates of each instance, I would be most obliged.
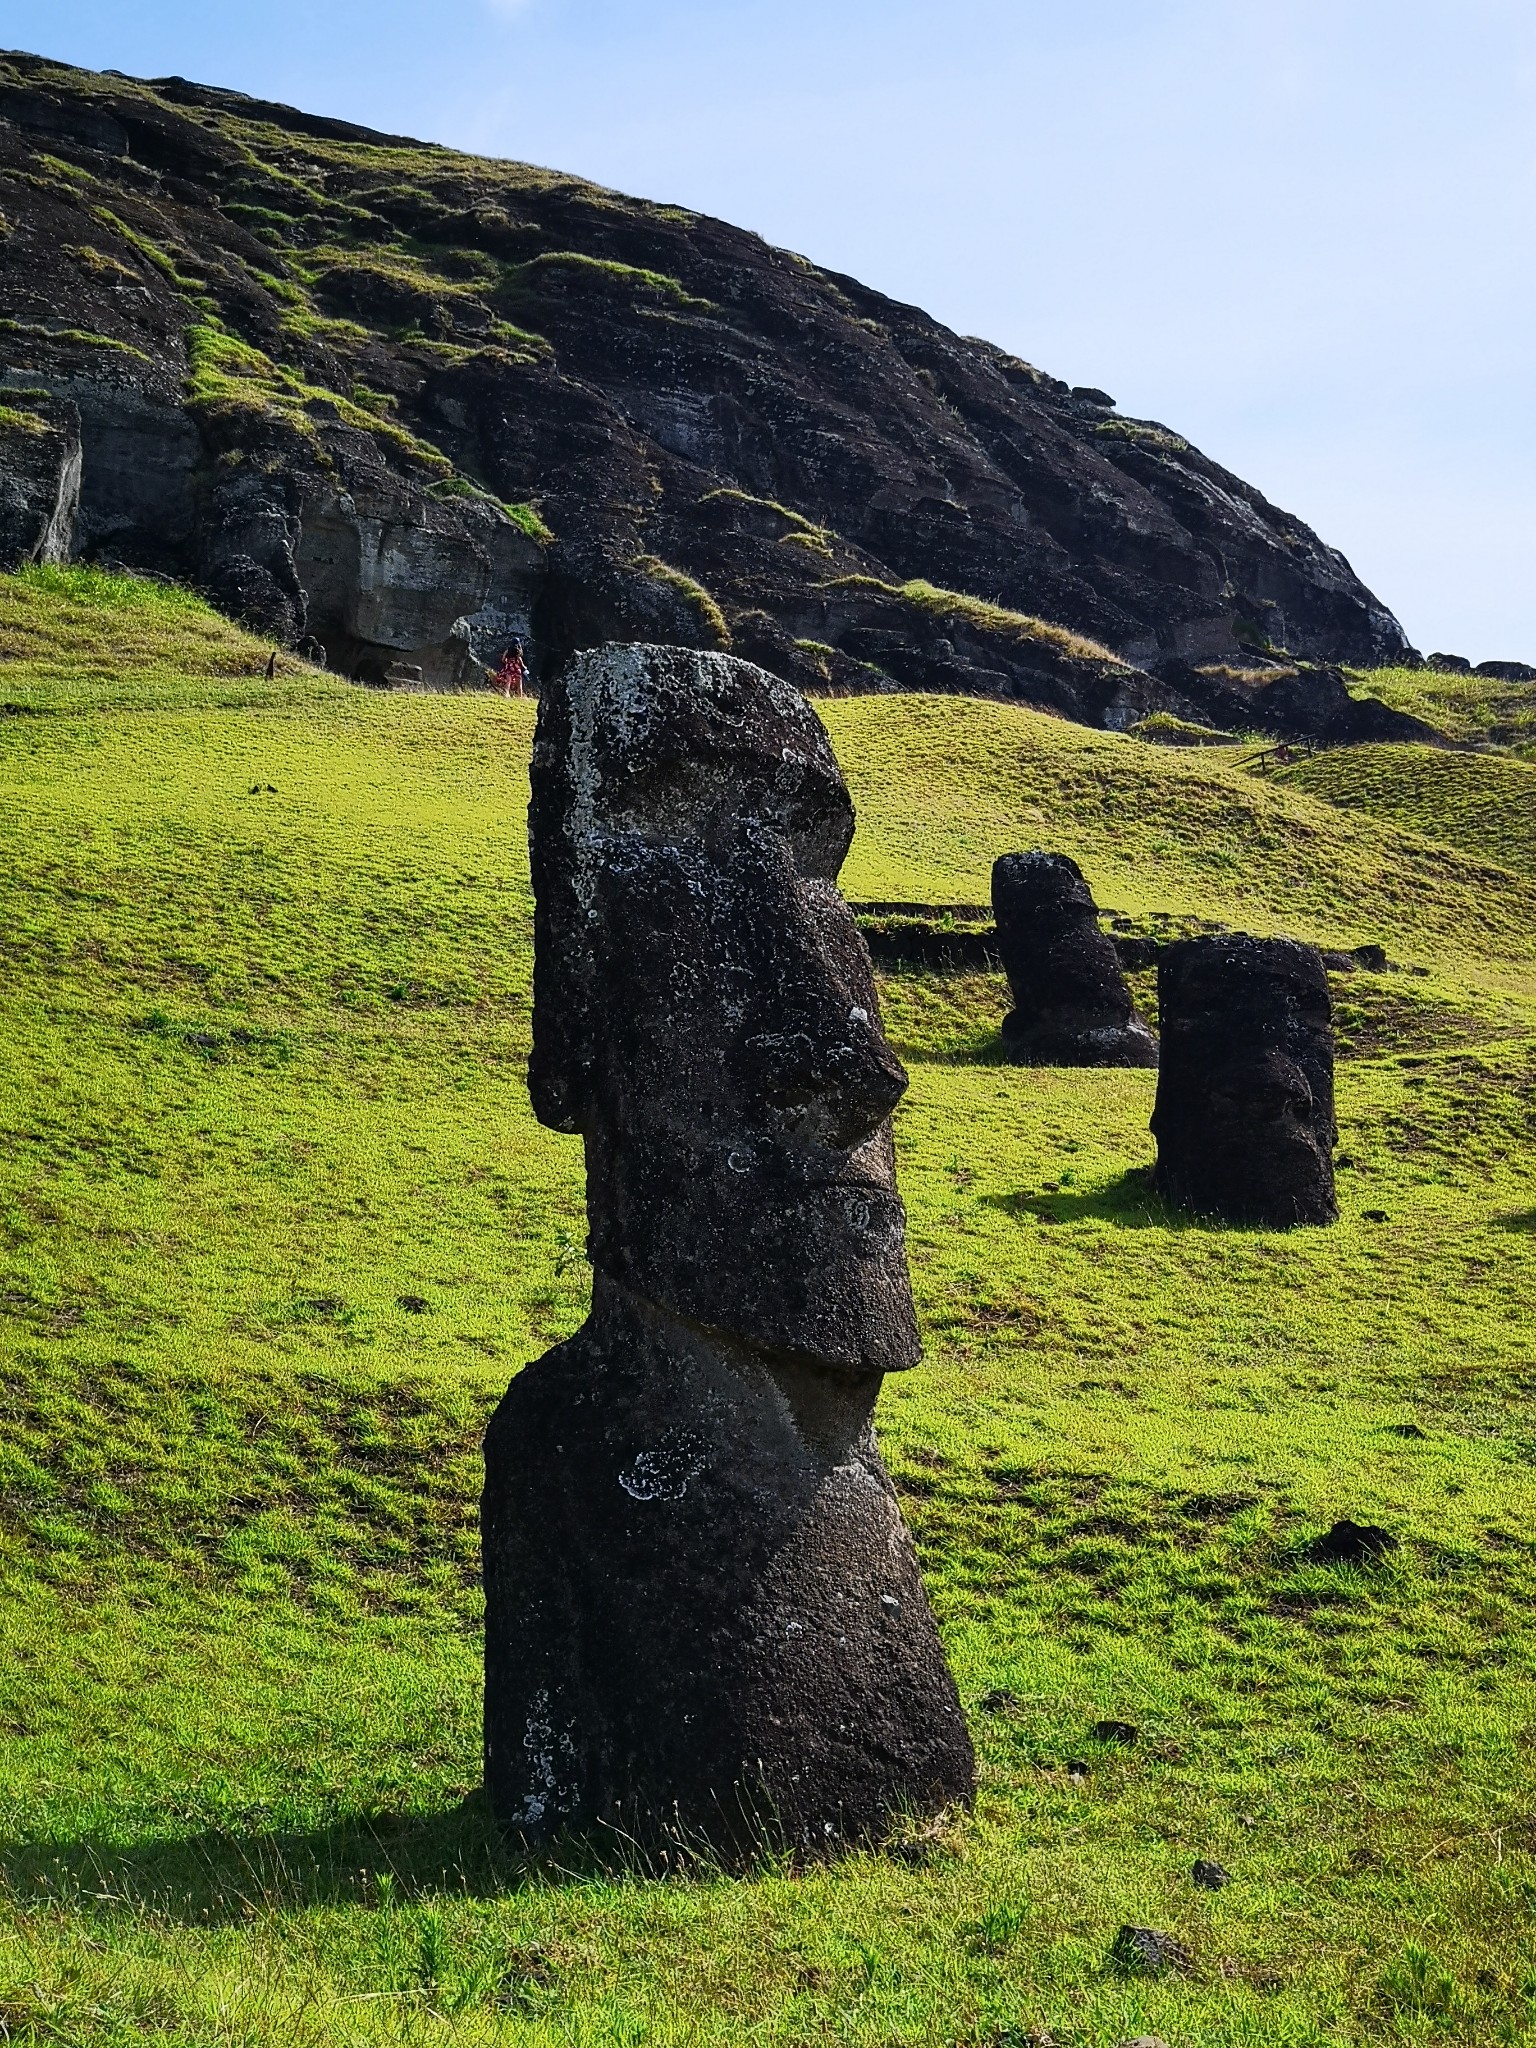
(1209, 1875)
(1144, 2041)
(1374, 1216)
(1351, 1543)
(1123, 1732)
(1000, 1701)
(1145, 1950)
(1077, 1771)
(413, 1304)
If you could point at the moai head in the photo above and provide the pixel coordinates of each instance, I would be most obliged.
(1244, 1118)
(704, 1011)
(1072, 1006)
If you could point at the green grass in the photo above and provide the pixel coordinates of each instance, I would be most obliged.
(1469, 708)
(954, 607)
(15, 419)
(276, 1225)
(1163, 729)
(626, 276)
(701, 601)
(1479, 805)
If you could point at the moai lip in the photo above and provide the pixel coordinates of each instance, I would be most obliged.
(1071, 1004)
(1244, 1118)
(703, 1611)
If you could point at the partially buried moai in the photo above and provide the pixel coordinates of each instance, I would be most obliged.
(703, 1609)
(1244, 1117)
(1071, 1004)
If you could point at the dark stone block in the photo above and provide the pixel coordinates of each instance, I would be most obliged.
(1209, 1875)
(1507, 671)
(1072, 1007)
(703, 1610)
(1244, 1117)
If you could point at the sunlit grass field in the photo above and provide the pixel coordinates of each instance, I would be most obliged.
(277, 1225)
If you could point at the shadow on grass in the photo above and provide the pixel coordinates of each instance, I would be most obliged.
(366, 1860)
(1132, 1202)
(980, 1049)
(1523, 1220)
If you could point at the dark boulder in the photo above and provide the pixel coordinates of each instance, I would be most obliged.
(1072, 1007)
(1451, 664)
(1244, 1116)
(703, 1610)
(1507, 671)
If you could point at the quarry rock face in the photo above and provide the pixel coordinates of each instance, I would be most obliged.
(39, 479)
(703, 1609)
(416, 405)
(1244, 1115)
(1072, 1006)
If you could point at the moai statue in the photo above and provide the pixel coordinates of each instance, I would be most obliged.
(703, 1609)
(1244, 1117)
(1071, 1005)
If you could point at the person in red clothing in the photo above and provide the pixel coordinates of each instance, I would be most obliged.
(513, 672)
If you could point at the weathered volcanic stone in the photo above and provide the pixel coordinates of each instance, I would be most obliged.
(1244, 1116)
(1072, 1007)
(39, 479)
(703, 1610)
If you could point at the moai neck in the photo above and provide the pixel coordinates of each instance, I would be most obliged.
(827, 1411)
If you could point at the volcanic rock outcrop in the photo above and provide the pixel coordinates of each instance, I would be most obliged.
(39, 479)
(1244, 1115)
(1071, 1004)
(416, 405)
(703, 1609)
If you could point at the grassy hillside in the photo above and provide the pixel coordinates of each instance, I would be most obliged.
(276, 1225)
(1466, 707)
(1481, 806)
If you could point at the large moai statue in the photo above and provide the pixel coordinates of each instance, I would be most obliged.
(703, 1609)
(1244, 1117)
(1071, 1004)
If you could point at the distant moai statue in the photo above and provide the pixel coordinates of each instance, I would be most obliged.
(703, 1609)
(1244, 1117)
(1071, 1004)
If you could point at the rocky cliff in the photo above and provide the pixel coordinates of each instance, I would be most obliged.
(401, 405)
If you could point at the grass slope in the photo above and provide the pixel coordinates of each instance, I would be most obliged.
(276, 1225)
(1481, 806)
(1467, 708)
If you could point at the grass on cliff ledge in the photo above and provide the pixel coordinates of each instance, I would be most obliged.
(276, 1226)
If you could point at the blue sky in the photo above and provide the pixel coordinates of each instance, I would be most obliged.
(1299, 231)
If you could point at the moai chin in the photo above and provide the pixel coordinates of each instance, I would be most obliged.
(703, 1609)
(1244, 1117)
(1071, 1003)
